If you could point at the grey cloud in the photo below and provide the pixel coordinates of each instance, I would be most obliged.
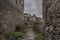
(35, 8)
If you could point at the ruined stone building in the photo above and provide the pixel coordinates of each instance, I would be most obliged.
(51, 15)
(11, 15)
(34, 22)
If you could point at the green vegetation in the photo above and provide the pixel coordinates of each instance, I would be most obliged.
(40, 36)
(17, 34)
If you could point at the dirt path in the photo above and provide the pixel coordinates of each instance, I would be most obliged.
(30, 35)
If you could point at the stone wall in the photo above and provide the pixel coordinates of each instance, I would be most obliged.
(11, 15)
(51, 15)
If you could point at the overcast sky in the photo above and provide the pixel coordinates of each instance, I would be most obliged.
(33, 7)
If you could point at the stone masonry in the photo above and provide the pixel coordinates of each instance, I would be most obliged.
(11, 15)
(51, 15)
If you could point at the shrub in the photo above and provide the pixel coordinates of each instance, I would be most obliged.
(17, 34)
(40, 36)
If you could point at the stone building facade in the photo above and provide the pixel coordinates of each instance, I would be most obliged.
(51, 15)
(11, 15)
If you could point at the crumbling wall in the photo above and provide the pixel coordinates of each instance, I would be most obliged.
(9, 13)
(10, 16)
(51, 15)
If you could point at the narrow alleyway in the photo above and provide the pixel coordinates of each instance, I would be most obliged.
(30, 35)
